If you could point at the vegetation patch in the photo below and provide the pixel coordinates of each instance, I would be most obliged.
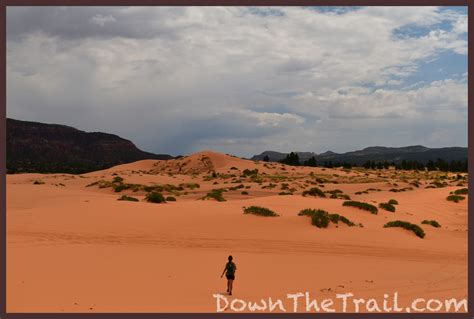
(117, 179)
(285, 193)
(408, 226)
(361, 205)
(314, 192)
(462, 191)
(128, 198)
(170, 199)
(433, 223)
(155, 197)
(455, 198)
(38, 182)
(321, 218)
(244, 192)
(215, 194)
(260, 211)
(387, 206)
(393, 202)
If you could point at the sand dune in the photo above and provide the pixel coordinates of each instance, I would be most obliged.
(72, 247)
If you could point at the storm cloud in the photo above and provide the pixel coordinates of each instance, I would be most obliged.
(243, 80)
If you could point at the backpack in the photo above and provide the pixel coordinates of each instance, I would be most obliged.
(230, 268)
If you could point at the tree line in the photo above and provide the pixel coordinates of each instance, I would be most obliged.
(440, 164)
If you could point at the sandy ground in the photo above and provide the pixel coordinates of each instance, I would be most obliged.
(72, 248)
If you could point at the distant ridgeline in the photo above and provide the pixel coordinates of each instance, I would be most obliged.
(410, 157)
(53, 148)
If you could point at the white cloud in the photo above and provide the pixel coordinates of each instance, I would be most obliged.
(101, 20)
(167, 70)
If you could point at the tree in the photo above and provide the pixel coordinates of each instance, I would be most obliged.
(310, 162)
(291, 159)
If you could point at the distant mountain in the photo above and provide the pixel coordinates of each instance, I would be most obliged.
(53, 148)
(382, 154)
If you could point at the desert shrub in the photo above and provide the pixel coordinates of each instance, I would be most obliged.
(455, 198)
(462, 191)
(155, 197)
(120, 187)
(234, 168)
(285, 186)
(314, 192)
(387, 206)
(250, 173)
(38, 182)
(415, 183)
(244, 192)
(92, 184)
(260, 211)
(128, 198)
(438, 184)
(170, 199)
(335, 191)
(321, 218)
(361, 205)
(117, 179)
(433, 223)
(285, 193)
(408, 226)
(215, 194)
(189, 185)
(393, 202)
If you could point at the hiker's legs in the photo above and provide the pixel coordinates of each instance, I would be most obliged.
(228, 285)
(231, 281)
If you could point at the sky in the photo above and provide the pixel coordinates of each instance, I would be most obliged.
(243, 80)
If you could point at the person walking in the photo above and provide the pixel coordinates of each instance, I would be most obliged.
(229, 271)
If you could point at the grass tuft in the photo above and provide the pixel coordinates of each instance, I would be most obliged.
(408, 226)
(387, 206)
(260, 211)
(361, 205)
(128, 198)
(433, 223)
(314, 192)
(455, 198)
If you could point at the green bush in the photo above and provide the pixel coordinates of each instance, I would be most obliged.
(433, 223)
(128, 198)
(170, 199)
(244, 192)
(361, 205)
(215, 194)
(455, 198)
(120, 187)
(38, 182)
(314, 192)
(387, 206)
(408, 226)
(260, 211)
(285, 193)
(321, 218)
(462, 191)
(117, 179)
(393, 202)
(155, 197)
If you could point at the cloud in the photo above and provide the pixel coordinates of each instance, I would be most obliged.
(174, 79)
